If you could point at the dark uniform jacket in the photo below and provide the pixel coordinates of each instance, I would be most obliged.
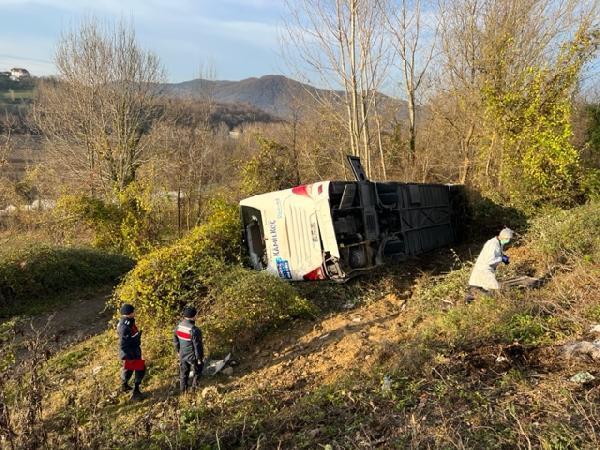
(188, 341)
(130, 339)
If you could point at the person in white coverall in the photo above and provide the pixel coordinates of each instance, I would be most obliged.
(483, 276)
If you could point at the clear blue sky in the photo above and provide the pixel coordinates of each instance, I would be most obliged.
(239, 37)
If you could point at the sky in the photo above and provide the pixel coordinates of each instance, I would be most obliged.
(238, 38)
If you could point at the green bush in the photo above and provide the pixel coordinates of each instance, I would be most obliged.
(525, 328)
(35, 273)
(235, 305)
(529, 328)
(125, 224)
(102, 218)
(168, 278)
(568, 234)
(247, 304)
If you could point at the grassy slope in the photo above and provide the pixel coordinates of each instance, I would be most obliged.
(484, 375)
(35, 277)
(14, 95)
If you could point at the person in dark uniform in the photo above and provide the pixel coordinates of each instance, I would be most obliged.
(187, 340)
(130, 351)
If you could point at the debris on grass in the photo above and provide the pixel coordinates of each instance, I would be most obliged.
(594, 329)
(215, 366)
(386, 385)
(583, 348)
(582, 377)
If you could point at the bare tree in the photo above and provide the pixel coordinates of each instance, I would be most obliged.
(194, 145)
(98, 115)
(458, 100)
(343, 42)
(414, 50)
(7, 125)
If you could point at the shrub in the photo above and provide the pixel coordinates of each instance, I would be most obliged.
(102, 218)
(168, 278)
(247, 304)
(32, 274)
(568, 235)
(138, 228)
(219, 235)
(124, 225)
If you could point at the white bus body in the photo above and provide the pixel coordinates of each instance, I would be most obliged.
(338, 229)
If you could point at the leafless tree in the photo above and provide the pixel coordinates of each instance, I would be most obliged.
(98, 114)
(343, 43)
(193, 144)
(7, 124)
(414, 46)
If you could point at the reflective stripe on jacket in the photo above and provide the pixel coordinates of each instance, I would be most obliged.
(187, 339)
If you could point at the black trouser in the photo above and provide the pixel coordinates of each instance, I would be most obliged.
(126, 375)
(184, 373)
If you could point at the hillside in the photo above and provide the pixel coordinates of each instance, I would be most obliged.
(274, 94)
(394, 360)
(251, 99)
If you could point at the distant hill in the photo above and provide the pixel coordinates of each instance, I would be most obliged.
(274, 94)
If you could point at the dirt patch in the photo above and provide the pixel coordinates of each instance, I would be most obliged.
(69, 324)
(313, 354)
(307, 355)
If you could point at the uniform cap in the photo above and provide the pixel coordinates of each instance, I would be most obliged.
(127, 309)
(506, 233)
(189, 312)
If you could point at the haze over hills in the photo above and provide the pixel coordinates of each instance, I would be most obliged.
(274, 94)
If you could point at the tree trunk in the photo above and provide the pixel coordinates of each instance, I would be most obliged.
(412, 126)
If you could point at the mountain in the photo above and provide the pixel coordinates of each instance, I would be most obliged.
(274, 94)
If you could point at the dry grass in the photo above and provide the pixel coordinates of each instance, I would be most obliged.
(485, 375)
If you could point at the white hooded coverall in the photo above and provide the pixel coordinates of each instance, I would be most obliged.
(484, 270)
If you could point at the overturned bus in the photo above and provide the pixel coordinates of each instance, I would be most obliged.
(339, 229)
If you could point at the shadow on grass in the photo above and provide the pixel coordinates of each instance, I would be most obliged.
(486, 217)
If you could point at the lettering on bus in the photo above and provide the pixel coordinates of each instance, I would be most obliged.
(274, 238)
(279, 208)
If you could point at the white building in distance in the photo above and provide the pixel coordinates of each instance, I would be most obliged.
(17, 73)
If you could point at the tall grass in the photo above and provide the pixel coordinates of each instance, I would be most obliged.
(31, 275)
